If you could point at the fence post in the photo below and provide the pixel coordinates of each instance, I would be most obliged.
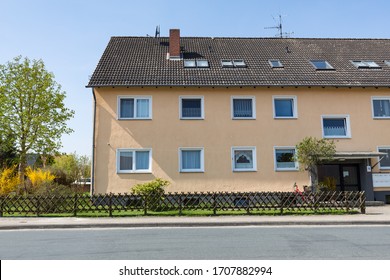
(362, 203)
(247, 203)
(37, 205)
(145, 197)
(110, 204)
(281, 203)
(1, 205)
(180, 205)
(347, 201)
(75, 205)
(214, 203)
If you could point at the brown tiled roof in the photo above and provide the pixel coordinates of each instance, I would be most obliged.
(142, 61)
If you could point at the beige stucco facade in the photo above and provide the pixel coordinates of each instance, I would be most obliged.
(217, 133)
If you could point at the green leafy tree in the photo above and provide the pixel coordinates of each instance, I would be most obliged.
(312, 152)
(32, 108)
(69, 168)
(8, 153)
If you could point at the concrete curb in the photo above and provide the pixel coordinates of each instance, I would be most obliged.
(190, 224)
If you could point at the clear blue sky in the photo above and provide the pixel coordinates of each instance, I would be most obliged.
(71, 35)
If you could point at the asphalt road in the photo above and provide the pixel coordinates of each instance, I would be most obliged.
(217, 243)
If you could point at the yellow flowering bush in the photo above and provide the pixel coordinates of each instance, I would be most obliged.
(9, 180)
(38, 176)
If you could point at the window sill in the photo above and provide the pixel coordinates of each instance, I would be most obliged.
(134, 172)
(235, 118)
(134, 119)
(244, 170)
(191, 171)
(201, 118)
(336, 137)
(381, 118)
(284, 118)
(287, 170)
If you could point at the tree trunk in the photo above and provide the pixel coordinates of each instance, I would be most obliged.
(313, 176)
(22, 169)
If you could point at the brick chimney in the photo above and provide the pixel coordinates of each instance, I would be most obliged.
(174, 44)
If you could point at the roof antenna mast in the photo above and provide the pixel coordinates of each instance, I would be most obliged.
(157, 33)
(279, 27)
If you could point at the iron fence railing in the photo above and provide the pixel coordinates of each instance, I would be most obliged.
(212, 201)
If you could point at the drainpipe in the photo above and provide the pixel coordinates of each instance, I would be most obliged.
(92, 190)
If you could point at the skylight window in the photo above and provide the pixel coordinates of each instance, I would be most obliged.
(275, 63)
(239, 63)
(227, 63)
(387, 62)
(189, 63)
(202, 63)
(236, 63)
(199, 63)
(365, 64)
(321, 65)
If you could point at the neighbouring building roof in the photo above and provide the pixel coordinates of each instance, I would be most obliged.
(142, 61)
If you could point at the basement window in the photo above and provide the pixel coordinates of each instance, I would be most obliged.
(321, 65)
(365, 64)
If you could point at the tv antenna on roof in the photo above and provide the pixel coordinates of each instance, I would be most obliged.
(279, 27)
(157, 33)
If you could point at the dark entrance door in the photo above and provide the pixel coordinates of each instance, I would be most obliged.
(346, 176)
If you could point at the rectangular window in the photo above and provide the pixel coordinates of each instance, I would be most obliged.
(385, 162)
(336, 127)
(191, 107)
(275, 63)
(285, 107)
(243, 107)
(244, 159)
(381, 107)
(365, 64)
(321, 65)
(134, 107)
(191, 159)
(285, 159)
(134, 160)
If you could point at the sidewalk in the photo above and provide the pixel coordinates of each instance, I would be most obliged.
(379, 215)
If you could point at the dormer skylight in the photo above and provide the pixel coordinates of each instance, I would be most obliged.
(365, 64)
(236, 63)
(275, 63)
(321, 65)
(198, 63)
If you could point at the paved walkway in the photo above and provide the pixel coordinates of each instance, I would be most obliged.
(379, 215)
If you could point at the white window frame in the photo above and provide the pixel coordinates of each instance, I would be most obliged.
(372, 106)
(380, 166)
(296, 165)
(201, 169)
(191, 97)
(278, 62)
(253, 98)
(295, 106)
(135, 107)
(254, 158)
(134, 170)
(347, 123)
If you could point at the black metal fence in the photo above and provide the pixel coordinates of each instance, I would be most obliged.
(213, 201)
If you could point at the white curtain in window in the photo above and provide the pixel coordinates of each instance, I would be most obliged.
(242, 108)
(126, 161)
(127, 108)
(141, 160)
(190, 159)
(382, 108)
(142, 108)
